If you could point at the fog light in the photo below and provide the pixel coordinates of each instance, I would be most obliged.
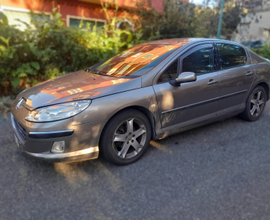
(58, 147)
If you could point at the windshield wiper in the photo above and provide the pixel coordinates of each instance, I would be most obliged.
(98, 72)
(101, 73)
(88, 70)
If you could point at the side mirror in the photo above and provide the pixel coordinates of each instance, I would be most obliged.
(182, 78)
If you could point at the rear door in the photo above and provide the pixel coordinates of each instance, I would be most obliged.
(235, 77)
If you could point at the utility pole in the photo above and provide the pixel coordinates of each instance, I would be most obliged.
(220, 19)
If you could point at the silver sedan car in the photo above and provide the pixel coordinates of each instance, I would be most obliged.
(147, 92)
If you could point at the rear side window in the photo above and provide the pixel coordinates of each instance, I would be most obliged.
(231, 56)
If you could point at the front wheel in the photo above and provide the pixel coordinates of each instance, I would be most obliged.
(126, 137)
(255, 104)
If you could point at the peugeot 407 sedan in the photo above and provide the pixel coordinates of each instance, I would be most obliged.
(147, 92)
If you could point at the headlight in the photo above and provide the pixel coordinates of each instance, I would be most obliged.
(57, 112)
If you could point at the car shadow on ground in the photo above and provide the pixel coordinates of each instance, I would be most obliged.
(199, 139)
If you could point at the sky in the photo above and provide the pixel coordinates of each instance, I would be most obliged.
(196, 1)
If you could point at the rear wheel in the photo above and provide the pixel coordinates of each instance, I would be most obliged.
(255, 104)
(126, 137)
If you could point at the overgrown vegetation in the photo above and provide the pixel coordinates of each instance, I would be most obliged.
(49, 49)
(183, 19)
(207, 18)
(264, 51)
(176, 20)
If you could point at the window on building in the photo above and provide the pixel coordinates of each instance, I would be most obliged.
(15, 18)
(199, 62)
(231, 55)
(85, 23)
(266, 33)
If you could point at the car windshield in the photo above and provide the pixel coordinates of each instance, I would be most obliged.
(135, 61)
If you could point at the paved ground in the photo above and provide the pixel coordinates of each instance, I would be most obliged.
(219, 171)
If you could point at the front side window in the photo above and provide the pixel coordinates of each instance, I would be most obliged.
(199, 62)
(231, 56)
(170, 73)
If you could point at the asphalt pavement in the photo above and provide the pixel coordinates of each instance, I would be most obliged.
(218, 171)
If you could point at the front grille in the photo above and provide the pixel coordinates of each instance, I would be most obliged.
(20, 129)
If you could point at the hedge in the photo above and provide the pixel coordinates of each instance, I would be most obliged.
(49, 49)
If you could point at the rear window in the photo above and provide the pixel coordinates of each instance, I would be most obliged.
(231, 55)
(135, 61)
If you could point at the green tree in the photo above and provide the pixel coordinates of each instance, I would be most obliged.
(176, 20)
(207, 17)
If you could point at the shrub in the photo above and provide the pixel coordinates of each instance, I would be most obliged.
(176, 20)
(264, 51)
(49, 49)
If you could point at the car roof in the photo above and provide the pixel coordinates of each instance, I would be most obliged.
(175, 41)
(179, 42)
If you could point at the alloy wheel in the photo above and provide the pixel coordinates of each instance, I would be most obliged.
(257, 103)
(129, 138)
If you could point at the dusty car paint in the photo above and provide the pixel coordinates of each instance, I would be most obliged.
(212, 97)
(74, 86)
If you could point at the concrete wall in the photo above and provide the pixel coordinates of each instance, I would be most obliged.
(254, 26)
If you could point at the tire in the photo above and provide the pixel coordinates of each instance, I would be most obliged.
(255, 104)
(126, 137)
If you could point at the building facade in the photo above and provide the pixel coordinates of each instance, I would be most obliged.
(73, 11)
(255, 25)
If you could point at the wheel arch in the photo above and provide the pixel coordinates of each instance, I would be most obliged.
(144, 110)
(246, 114)
(265, 86)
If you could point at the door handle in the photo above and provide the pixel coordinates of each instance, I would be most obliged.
(212, 82)
(249, 73)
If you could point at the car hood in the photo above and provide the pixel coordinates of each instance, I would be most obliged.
(75, 86)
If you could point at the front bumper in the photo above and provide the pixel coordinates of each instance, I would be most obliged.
(36, 139)
(80, 155)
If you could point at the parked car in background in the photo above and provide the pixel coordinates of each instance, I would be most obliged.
(255, 44)
(147, 92)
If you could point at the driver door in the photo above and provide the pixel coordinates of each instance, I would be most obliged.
(191, 102)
